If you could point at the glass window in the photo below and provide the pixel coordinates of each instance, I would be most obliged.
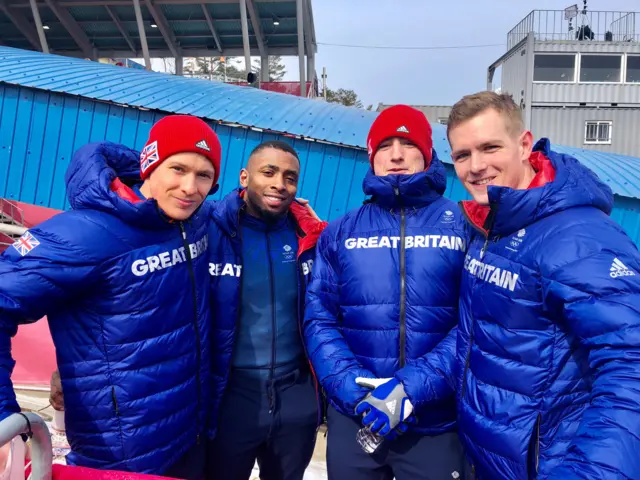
(597, 132)
(554, 68)
(633, 69)
(600, 68)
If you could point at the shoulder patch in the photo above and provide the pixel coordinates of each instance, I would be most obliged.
(26, 243)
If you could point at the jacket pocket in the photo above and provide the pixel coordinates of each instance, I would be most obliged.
(533, 458)
(115, 401)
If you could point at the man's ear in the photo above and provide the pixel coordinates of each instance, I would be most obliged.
(244, 178)
(526, 145)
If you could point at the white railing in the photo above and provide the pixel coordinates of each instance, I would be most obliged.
(576, 24)
(34, 426)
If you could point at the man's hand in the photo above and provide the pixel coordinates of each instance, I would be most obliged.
(305, 202)
(55, 397)
(386, 407)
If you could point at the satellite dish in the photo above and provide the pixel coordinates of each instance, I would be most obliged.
(571, 12)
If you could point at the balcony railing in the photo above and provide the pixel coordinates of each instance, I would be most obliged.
(575, 24)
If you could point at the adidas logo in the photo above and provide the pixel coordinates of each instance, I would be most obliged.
(402, 129)
(203, 145)
(619, 269)
(392, 406)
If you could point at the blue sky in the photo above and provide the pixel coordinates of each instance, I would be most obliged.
(426, 77)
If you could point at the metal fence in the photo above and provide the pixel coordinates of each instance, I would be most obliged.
(291, 88)
(576, 24)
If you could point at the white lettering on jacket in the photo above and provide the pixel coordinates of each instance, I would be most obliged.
(224, 270)
(488, 273)
(169, 258)
(449, 242)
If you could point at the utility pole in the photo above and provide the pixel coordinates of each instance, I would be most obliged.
(324, 83)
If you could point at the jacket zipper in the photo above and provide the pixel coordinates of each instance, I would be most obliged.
(195, 327)
(486, 233)
(403, 283)
(466, 365)
(238, 252)
(273, 324)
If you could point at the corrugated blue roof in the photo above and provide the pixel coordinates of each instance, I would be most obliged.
(250, 107)
(245, 106)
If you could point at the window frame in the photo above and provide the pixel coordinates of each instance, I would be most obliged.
(623, 73)
(566, 54)
(597, 123)
(626, 67)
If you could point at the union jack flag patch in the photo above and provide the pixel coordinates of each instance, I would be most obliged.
(26, 243)
(149, 156)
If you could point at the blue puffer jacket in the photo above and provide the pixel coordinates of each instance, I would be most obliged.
(549, 337)
(129, 320)
(384, 295)
(225, 269)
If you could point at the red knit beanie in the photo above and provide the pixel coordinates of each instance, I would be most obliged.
(178, 134)
(404, 122)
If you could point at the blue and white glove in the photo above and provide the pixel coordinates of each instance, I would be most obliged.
(386, 408)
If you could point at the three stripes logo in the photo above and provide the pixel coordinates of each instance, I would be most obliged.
(619, 269)
(403, 129)
(203, 145)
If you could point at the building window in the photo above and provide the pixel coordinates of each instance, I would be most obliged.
(596, 132)
(600, 68)
(554, 68)
(443, 120)
(633, 69)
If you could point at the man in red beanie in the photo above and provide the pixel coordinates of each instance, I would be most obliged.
(382, 299)
(123, 280)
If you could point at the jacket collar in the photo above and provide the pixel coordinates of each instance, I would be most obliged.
(416, 190)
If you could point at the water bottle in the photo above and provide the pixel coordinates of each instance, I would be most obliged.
(368, 440)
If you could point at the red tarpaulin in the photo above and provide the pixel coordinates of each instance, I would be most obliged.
(34, 353)
(290, 88)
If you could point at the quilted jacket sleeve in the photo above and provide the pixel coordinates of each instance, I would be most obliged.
(335, 365)
(32, 286)
(599, 299)
(431, 378)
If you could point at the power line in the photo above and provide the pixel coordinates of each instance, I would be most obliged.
(388, 47)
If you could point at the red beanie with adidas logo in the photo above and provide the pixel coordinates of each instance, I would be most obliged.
(179, 134)
(405, 122)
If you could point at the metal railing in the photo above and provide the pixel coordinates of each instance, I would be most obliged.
(11, 223)
(214, 77)
(576, 25)
(41, 451)
(291, 88)
(10, 212)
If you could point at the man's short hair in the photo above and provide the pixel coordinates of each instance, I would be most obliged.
(472, 105)
(278, 145)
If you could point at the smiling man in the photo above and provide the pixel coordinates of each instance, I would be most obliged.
(380, 308)
(549, 333)
(265, 402)
(116, 277)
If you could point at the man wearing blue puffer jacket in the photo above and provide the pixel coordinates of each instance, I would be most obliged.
(549, 334)
(381, 302)
(265, 402)
(122, 278)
